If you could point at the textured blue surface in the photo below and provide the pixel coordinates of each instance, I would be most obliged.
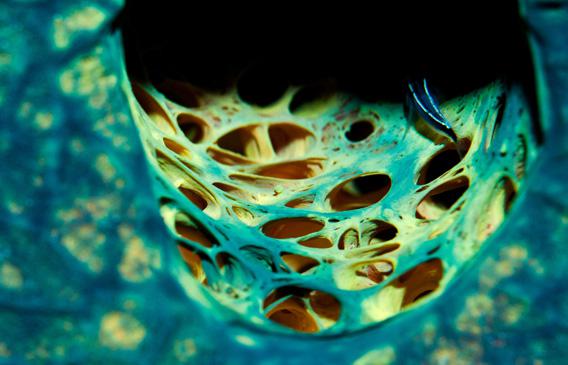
(84, 256)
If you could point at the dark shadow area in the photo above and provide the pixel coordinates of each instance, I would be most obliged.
(369, 52)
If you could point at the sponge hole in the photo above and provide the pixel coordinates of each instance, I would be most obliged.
(194, 196)
(377, 231)
(292, 313)
(291, 227)
(179, 92)
(375, 271)
(299, 263)
(317, 242)
(441, 199)
(176, 147)
(441, 163)
(359, 131)
(311, 97)
(194, 262)
(325, 305)
(302, 202)
(359, 192)
(349, 240)
(153, 109)
(294, 170)
(289, 140)
(295, 307)
(192, 127)
(190, 231)
(420, 281)
(246, 142)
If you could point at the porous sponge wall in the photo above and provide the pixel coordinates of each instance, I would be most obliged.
(322, 212)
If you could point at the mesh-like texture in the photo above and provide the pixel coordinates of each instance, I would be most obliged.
(89, 276)
(327, 213)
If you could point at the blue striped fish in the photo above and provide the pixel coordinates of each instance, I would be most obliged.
(427, 107)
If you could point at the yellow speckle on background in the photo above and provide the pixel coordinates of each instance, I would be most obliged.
(85, 243)
(121, 331)
(383, 356)
(5, 58)
(11, 276)
(138, 260)
(43, 120)
(65, 28)
(245, 340)
(184, 349)
(4, 351)
(88, 77)
(82, 76)
(476, 307)
(105, 168)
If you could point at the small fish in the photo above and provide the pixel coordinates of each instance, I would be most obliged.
(428, 109)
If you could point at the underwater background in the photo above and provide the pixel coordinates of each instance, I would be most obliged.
(88, 268)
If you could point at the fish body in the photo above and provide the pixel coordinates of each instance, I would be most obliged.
(427, 107)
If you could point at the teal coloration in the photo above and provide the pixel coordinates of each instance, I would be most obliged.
(89, 273)
(251, 225)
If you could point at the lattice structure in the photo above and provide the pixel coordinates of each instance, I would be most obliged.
(321, 212)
